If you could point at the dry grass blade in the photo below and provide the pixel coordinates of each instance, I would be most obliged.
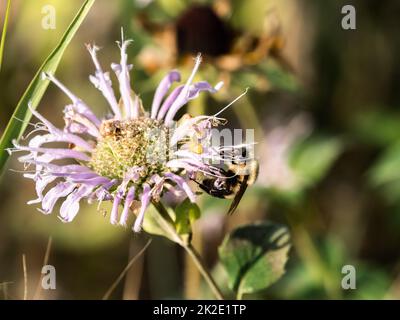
(25, 277)
(121, 276)
(4, 286)
(45, 261)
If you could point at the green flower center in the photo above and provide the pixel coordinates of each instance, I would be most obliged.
(124, 144)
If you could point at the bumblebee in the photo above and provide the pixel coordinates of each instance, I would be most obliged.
(229, 184)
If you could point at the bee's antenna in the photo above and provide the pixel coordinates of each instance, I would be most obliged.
(231, 103)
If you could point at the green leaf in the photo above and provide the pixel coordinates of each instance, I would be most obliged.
(254, 256)
(154, 224)
(279, 77)
(386, 169)
(377, 128)
(185, 214)
(4, 32)
(312, 157)
(175, 225)
(385, 174)
(37, 87)
(305, 280)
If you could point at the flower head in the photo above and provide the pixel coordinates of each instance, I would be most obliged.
(130, 155)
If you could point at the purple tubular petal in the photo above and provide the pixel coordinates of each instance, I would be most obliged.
(59, 135)
(145, 200)
(72, 168)
(183, 185)
(79, 122)
(102, 192)
(41, 184)
(119, 195)
(132, 174)
(79, 176)
(114, 210)
(70, 207)
(122, 72)
(162, 90)
(186, 154)
(191, 165)
(74, 127)
(188, 164)
(109, 184)
(184, 93)
(192, 93)
(85, 111)
(135, 106)
(186, 128)
(102, 81)
(33, 158)
(57, 152)
(157, 187)
(61, 190)
(95, 181)
(67, 169)
(169, 101)
(128, 202)
(37, 141)
(78, 103)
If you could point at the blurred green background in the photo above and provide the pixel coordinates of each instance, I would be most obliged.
(323, 101)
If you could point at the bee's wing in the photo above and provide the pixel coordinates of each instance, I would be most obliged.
(238, 196)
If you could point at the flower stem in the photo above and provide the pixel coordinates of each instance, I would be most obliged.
(203, 270)
(167, 221)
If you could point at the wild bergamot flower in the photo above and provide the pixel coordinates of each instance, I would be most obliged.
(130, 155)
